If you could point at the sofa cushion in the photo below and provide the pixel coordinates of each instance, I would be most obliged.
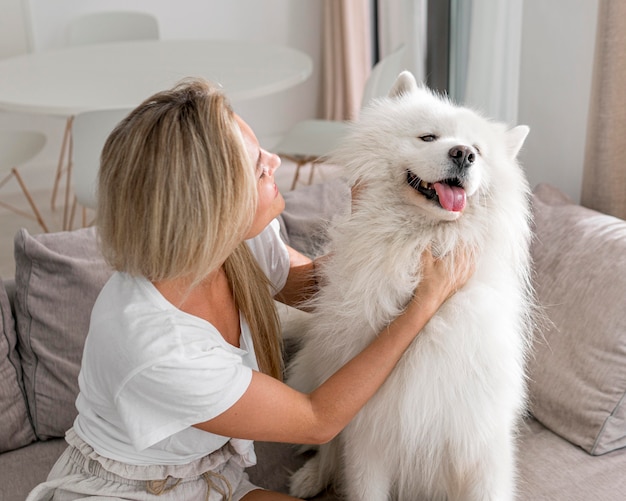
(58, 277)
(16, 430)
(23, 469)
(553, 469)
(308, 211)
(578, 370)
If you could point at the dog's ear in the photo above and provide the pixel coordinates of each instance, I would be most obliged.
(404, 84)
(515, 139)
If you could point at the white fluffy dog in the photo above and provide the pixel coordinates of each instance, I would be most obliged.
(443, 426)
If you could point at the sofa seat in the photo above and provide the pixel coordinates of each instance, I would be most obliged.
(548, 465)
(24, 468)
(572, 449)
(551, 469)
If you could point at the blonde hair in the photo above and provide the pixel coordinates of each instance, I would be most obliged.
(176, 197)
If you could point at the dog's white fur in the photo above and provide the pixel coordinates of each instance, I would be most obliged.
(443, 425)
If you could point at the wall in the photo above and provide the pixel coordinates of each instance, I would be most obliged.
(13, 39)
(295, 24)
(530, 61)
(558, 40)
(558, 43)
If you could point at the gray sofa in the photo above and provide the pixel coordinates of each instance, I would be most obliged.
(572, 445)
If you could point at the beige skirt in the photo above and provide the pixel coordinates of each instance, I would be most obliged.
(82, 473)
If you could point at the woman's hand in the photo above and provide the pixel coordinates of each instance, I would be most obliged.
(443, 276)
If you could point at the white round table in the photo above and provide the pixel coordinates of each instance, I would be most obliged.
(67, 81)
(120, 75)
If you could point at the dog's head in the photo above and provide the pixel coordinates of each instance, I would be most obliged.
(421, 150)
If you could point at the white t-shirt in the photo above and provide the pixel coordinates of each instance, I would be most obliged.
(150, 371)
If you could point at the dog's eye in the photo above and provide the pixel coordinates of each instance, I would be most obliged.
(428, 138)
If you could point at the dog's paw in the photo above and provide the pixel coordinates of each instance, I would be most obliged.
(307, 481)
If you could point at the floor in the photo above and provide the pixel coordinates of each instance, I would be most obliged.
(10, 223)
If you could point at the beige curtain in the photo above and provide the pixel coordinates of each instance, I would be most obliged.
(346, 57)
(604, 175)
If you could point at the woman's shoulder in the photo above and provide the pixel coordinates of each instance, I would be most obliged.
(131, 313)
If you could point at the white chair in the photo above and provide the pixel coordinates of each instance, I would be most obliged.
(311, 141)
(112, 26)
(94, 28)
(16, 148)
(90, 131)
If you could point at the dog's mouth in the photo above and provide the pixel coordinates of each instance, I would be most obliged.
(448, 193)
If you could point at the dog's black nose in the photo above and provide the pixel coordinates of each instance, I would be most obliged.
(463, 156)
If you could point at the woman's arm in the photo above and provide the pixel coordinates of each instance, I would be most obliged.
(271, 411)
(301, 281)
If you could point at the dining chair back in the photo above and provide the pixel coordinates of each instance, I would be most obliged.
(112, 26)
(311, 141)
(16, 148)
(383, 75)
(90, 131)
(94, 28)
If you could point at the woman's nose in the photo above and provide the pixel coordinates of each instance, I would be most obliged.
(274, 162)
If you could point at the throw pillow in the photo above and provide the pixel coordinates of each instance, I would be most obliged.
(16, 430)
(58, 277)
(308, 211)
(578, 370)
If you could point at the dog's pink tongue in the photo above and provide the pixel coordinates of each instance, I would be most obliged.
(451, 198)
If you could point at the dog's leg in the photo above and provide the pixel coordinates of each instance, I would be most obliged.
(306, 482)
(498, 478)
(366, 476)
(490, 479)
(317, 473)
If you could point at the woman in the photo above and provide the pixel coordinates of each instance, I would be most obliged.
(183, 349)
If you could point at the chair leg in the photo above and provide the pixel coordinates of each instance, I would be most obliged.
(17, 210)
(31, 202)
(69, 224)
(83, 215)
(65, 148)
(68, 187)
(312, 171)
(297, 174)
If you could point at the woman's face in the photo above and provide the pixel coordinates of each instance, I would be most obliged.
(264, 163)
